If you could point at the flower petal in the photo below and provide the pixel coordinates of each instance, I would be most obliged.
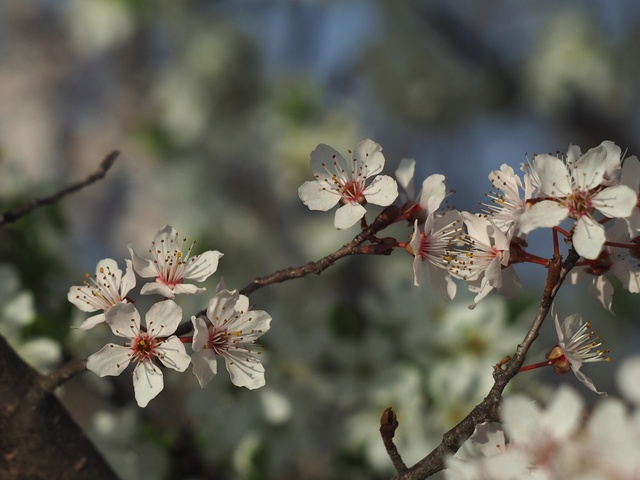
(147, 382)
(244, 369)
(143, 266)
(124, 320)
(204, 366)
(552, 175)
(157, 288)
(433, 192)
(348, 215)
(173, 355)
(369, 154)
(92, 322)
(317, 197)
(200, 333)
(546, 213)
(163, 318)
(588, 237)
(382, 191)
(325, 162)
(111, 360)
(202, 266)
(615, 202)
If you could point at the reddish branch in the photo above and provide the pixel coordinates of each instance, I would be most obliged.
(104, 166)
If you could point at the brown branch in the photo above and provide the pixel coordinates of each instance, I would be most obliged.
(354, 247)
(50, 382)
(487, 410)
(104, 166)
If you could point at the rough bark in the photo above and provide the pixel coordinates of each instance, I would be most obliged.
(38, 437)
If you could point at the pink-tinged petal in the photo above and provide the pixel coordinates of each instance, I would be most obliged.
(615, 202)
(325, 162)
(563, 414)
(244, 369)
(552, 176)
(111, 360)
(92, 322)
(317, 197)
(511, 285)
(630, 175)
(481, 287)
(542, 214)
(242, 304)
(417, 270)
(628, 274)
(78, 294)
(602, 290)
(477, 227)
(129, 279)
(433, 192)
(348, 215)
(205, 366)
(143, 266)
(163, 318)
(613, 163)
(124, 320)
(520, 417)
(222, 306)
(493, 273)
(556, 322)
(173, 355)
(369, 154)
(587, 382)
(147, 382)
(573, 154)
(187, 289)
(382, 191)
(157, 288)
(202, 266)
(589, 171)
(404, 175)
(441, 282)
(588, 237)
(200, 333)
(253, 325)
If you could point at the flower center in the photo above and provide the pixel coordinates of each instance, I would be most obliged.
(144, 347)
(352, 192)
(579, 204)
(218, 340)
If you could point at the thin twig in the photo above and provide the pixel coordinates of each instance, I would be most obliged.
(388, 425)
(104, 166)
(69, 370)
(487, 410)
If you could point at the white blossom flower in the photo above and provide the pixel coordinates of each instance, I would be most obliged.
(574, 189)
(507, 203)
(619, 257)
(542, 434)
(432, 245)
(229, 331)
(486, 455)
(340, 182)
(170, 265)
(485, 263)
(577, 345)
(108, 287)
(147, 346)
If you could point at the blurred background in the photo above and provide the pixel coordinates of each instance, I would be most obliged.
(215, 106)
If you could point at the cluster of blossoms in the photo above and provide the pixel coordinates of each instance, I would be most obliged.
(558, 442)
(229, 328)
(595, 193)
